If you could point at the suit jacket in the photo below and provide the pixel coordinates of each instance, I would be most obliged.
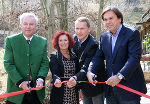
(57, 69)
(125, 60)
(85, 54)
(20, 57)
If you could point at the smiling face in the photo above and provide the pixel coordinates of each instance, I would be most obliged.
(82, 30)
(28, 26)
(63, 42)
(111, 21)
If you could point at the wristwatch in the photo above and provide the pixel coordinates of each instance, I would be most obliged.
(120, 76)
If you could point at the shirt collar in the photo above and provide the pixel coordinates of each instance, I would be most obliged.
(27, 38)
(82, 40)
(117, 33)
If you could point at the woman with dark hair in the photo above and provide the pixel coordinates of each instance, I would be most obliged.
(64, 67)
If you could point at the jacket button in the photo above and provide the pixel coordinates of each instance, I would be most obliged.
(27, 54)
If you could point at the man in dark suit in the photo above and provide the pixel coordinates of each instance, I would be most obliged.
(85, 48)
(121, 48)
(26, 62)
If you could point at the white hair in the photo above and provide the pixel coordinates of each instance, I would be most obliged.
(28, 15)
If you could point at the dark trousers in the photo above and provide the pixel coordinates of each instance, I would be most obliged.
(114, 98)
(29, 98)
(8, 102)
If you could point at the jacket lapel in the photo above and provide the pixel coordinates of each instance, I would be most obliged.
(86, 49)
(59, 57)
(110, 44)
(118, 42)
(76, 45)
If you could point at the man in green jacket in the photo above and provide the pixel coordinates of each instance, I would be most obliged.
(26, 62)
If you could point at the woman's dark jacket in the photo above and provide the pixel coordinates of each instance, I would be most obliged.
(57, 69)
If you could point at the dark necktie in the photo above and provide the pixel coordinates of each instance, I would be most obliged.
(80, 50)
(28, 41)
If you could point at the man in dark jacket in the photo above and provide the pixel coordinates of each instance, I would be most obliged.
(85, 48)
(121, 48)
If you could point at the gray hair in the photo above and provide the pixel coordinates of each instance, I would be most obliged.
(83, 19)
(28, 15)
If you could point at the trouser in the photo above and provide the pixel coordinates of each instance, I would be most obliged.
(98, 99)
(114, 98)
(29, 97)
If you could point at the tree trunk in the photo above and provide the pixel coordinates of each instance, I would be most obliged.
(48, 8)
(99, 29)
(62, 7)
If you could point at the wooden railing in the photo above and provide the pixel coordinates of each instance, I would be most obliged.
(145, 57)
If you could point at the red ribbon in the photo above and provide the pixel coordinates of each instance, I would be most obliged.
(118, 85)
(132, 90)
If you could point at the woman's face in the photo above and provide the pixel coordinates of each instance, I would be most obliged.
(63, 42)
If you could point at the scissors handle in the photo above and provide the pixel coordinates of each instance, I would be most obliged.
(94, 78)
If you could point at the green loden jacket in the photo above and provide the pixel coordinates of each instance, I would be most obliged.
(20, 57)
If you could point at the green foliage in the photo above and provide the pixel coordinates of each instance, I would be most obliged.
(147, 44)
